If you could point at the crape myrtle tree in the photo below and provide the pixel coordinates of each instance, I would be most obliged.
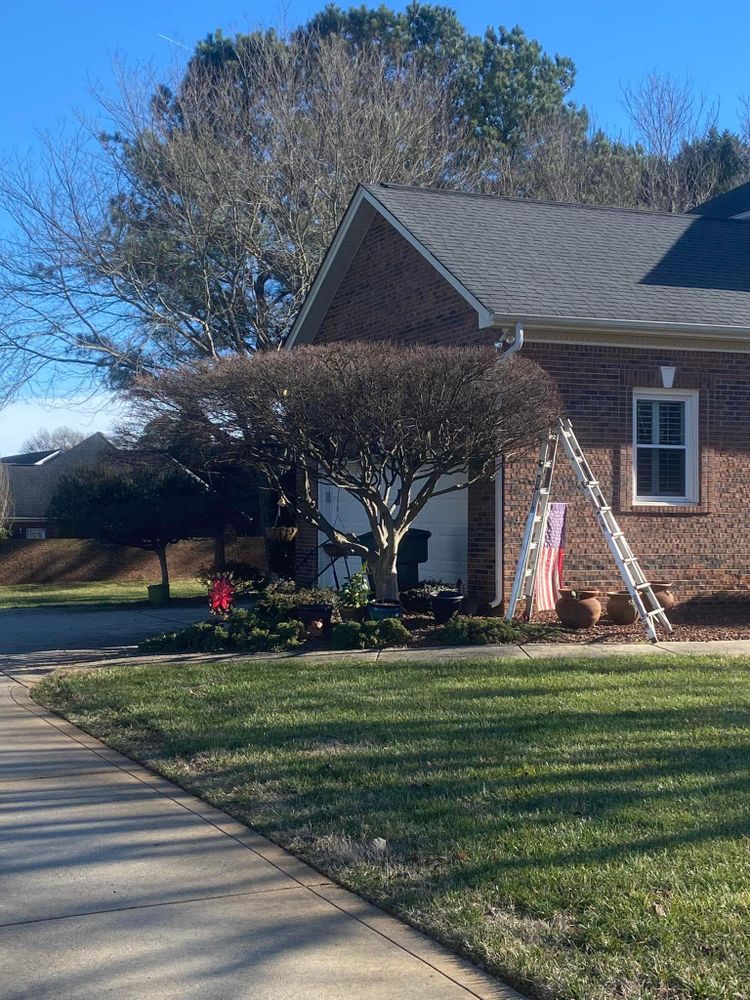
(137, 506)
(385, 423)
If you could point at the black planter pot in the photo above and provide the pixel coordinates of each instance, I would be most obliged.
(446, 604)
(308, 613)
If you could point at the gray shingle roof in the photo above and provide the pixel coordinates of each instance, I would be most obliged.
(28, 457)
(529, 259)
(724, 206)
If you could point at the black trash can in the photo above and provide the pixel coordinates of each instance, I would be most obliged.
(411, 552)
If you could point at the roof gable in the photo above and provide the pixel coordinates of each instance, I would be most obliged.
(557, 265)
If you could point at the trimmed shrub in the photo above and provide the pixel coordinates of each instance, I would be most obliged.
(281, 600)
(369, 635)
(392, 632)
(240, 632)
(418, 599)
(347, 635)
(465, 631)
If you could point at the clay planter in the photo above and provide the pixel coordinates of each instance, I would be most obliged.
(578, 608)
(620, 608)
(664, 595)
(445, 605)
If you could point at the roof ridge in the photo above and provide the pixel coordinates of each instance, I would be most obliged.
(682, 216)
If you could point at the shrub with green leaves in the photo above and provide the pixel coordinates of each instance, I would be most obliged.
(355, 593)
(370, 635)
(242, 631)
(280, 600)
(465, 631)
(419, 599)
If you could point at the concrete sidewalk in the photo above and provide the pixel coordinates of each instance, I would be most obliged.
(25, 667)
(116, 882)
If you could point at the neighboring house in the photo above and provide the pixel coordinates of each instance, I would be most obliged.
(642, 318)
(34, 478)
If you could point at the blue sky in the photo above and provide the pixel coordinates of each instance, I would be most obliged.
(54, 51)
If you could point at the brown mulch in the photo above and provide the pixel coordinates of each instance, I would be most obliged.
(606, 633)
(713, 624)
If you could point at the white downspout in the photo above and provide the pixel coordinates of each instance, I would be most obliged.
(509, 343)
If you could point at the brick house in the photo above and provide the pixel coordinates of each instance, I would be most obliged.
(642, 318)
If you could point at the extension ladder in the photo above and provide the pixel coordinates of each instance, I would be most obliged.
(640, 590)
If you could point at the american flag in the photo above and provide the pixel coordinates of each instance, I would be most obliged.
(550, 571)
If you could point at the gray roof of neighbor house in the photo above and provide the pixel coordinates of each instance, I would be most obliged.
(558, 264)
(33, 486)
(727, 205)
(28, 457)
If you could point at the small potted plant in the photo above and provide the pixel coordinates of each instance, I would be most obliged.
(354, 596)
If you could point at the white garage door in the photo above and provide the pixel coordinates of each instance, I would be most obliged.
(446, 517)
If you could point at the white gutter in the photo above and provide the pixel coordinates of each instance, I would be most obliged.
(666, 328)
(512, 341)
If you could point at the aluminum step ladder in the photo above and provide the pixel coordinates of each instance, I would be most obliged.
(641, 593)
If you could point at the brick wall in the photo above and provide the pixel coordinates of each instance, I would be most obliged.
(391, 292)
(74, 560)
(701, 548)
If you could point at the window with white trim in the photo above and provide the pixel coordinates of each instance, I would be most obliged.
(665, 446)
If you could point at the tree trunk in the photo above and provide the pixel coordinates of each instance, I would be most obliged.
(385, 575)
(161, 555)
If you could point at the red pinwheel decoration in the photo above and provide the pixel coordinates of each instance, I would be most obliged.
(221, 595)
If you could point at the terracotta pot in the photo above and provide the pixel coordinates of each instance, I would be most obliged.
(620, 608)
(578, 608)
(663, 594)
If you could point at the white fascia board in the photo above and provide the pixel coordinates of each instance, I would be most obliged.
(344, 246)
(584, 325)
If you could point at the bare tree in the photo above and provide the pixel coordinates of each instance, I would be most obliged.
(194, 227)
(6, 502)
(384, 423)
(667, 117)
(55, 439)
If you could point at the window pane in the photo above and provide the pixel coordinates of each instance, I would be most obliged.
(671, 422)
(644, 421)
(660, 472)
(672, 472)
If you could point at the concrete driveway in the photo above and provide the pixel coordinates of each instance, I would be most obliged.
(117, 883)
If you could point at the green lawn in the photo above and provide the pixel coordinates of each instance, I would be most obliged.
(37, 595)
(580, 827)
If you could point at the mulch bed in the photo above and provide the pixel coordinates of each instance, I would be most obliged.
(606, 633)
(714, 624)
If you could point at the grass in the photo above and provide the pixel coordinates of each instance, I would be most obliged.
(579, 827)
(38, 595)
